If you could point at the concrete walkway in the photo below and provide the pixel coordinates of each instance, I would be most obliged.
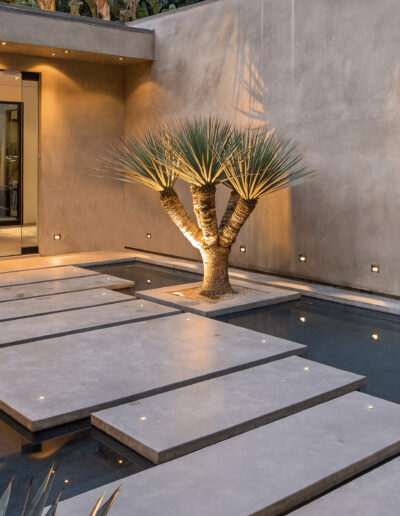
(183, 385)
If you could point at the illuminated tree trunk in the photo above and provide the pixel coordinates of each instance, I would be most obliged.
(213, 243)
(49, 5)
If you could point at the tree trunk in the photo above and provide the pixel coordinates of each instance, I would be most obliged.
(215, 278)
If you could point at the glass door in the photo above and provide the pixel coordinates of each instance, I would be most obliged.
(10, 163)
(10, 178)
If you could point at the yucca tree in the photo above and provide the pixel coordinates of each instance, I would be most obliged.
(204, 153)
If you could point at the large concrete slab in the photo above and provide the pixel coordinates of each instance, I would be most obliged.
(8, 279)
(20, 308)
(55, 381)
(60, 286)
(269, 470)
(376, 493)
(175, 423)
(51, 325)
(251, 296)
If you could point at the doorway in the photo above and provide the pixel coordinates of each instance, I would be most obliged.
(19, 128)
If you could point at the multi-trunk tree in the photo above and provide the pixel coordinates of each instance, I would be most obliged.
(205, 153)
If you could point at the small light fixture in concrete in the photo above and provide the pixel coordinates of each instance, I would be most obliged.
(374, 336)
(242, 249)
(66, 481)
(148, 281)
(302, 318)
(148, 235)
(375, 268)
(52, 54)
(57, 236)
(67, 51)
(120, 59)
(302, 258)
(4, 43)
(370, 407)
(143, 418)
(306, 368)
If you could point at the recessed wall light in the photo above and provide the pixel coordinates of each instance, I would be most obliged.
(370, 407)
(143, 418)
(66, 481)
(302, 318)
(120, 59)
(148, 235)
(67, 51)
(4, 43)
(375, 268)
(302, 258)
(148, 281)
(374, 336)
(120, 461)
(53, 54)
(57, 236)
(306, 368)
(242, 249)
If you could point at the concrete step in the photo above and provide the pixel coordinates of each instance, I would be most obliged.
(376, 493)
(67, 378)
(269, 470)
(20, 308)
(52, 325)
(175, 423)
(8, 279)
(46, 288)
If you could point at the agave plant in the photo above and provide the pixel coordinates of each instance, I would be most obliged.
(204, 153)
(35, 503)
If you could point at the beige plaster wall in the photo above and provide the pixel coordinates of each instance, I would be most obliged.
(81, 111)
(325, 72)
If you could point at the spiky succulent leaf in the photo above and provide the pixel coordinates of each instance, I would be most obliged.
(105, 508)
(200, 149)
(94, 511)
(36, 506)
(143, 160)
(5, 498)
(263, 163)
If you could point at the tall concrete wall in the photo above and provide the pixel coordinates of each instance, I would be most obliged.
(81, 111)
(325, 72)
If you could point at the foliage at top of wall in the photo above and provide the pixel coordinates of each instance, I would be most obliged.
(115, 10)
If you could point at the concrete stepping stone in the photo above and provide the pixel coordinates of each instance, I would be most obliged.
(46, 288)
(8, 279)
(55, 381)
(376, 493)
(51, 325)
(250, 296)
(20, 308)
(175, 423)
(269, 470)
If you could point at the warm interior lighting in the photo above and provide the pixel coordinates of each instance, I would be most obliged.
(302, 258)
(374, 268)
(57, 236)
(4, 43)
(374, 336)
(120, 58)
(242, 249)
(302, 318)
(16, 78)
(148, 235)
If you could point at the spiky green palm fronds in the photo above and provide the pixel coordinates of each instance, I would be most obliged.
(200, 149)
(144, 161)
(263, 163)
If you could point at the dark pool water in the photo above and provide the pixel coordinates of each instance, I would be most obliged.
(361, 341)
(147, 276)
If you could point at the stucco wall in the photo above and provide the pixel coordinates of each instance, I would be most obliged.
(81, 111)
(325, 72)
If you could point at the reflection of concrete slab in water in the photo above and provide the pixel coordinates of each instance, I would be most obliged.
(19, 308)
(8, 279)
(46, 288)
(64, 323)
(269, 470)
(251, 296)
(55, 381)
(175, 423)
